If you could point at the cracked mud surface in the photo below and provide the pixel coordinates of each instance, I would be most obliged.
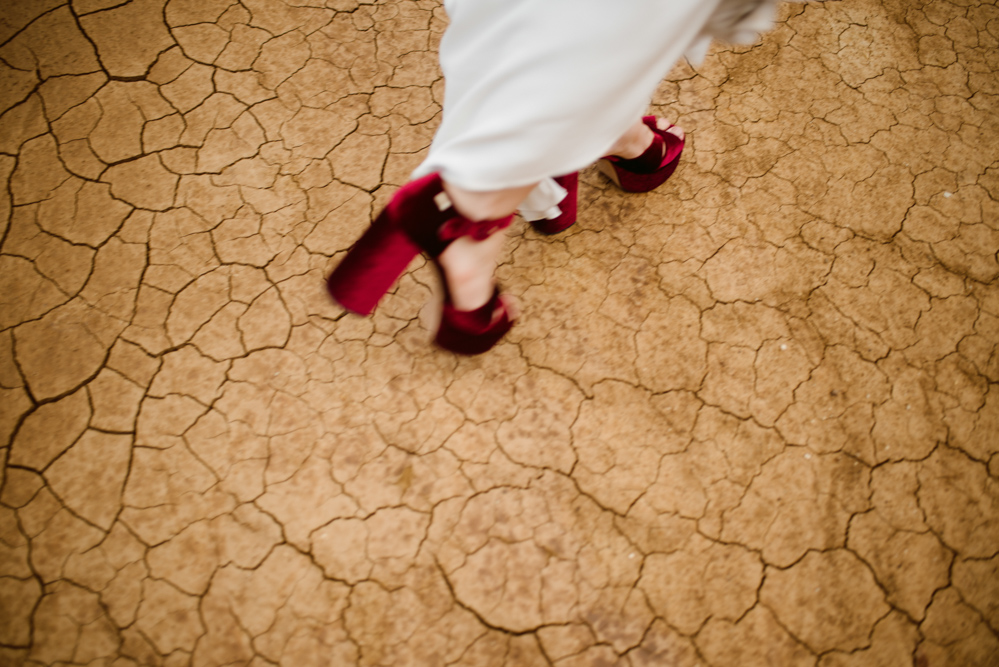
(749, 419)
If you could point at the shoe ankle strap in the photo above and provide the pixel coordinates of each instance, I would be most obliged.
(459, 226)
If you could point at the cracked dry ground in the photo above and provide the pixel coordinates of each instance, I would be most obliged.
(749, 419)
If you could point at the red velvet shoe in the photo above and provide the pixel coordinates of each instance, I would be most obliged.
(473, 331)
(413, 221)
(650, 169)
(418, 218)
(568, 206)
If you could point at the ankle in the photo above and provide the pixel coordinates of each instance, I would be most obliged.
(488, 205)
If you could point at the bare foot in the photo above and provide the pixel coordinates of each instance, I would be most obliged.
(469, 268)
(676, 130)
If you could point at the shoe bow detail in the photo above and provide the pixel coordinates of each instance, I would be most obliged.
(459, 226)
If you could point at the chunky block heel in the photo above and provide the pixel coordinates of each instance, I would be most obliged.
(568, 206)
(372, 266)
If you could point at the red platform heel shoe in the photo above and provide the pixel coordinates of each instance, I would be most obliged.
(568, 206)
(419, 217)
(650, 169)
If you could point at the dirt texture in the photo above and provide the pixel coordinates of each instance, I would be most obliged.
(749, 419)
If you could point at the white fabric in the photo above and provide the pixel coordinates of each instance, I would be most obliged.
(539, 88)
(541, 202)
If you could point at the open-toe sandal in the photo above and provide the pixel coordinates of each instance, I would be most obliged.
(650, 169)
(418, 218)
(474, 331)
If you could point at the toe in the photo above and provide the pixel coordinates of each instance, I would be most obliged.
(511, 305)
(665, 126)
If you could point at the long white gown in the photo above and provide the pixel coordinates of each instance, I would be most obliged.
(539, 88)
